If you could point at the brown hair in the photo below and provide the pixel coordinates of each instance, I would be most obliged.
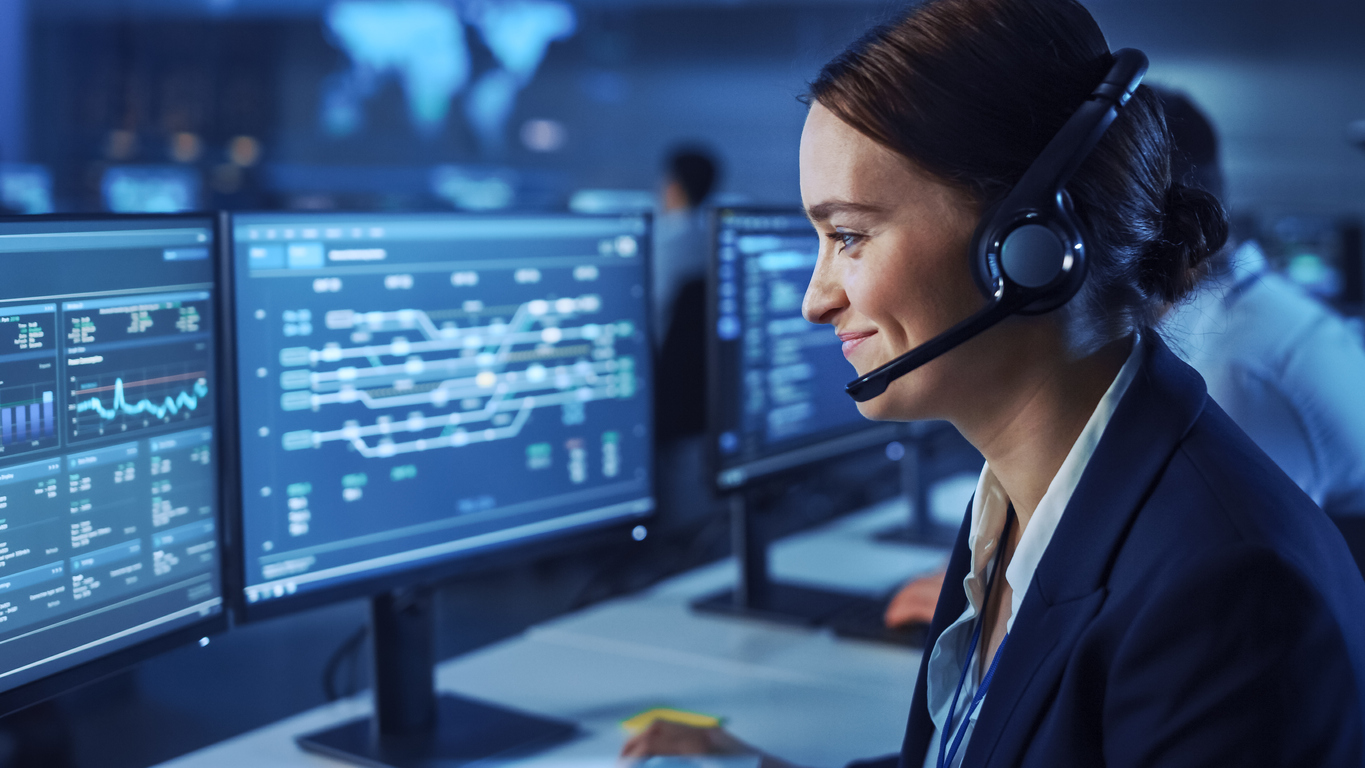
(972, 90)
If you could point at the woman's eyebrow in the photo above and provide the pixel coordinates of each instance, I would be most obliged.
(823, 211)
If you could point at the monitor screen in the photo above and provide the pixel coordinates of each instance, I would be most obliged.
(777, 398)
(25, 188)
(108, 457)
(1311, 251)
(150, 188)
(419, 388)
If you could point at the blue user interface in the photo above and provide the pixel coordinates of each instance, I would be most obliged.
(108, 461)
(416, 388)
(780, 378)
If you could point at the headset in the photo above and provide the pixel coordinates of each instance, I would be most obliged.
(1028, 253)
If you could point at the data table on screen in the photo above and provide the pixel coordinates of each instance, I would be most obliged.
(779, 379)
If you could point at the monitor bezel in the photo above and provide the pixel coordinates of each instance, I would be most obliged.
(438, 569)
(732, 476)
(60, 682)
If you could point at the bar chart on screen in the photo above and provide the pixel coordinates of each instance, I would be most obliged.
(27, 421)
(28, 379)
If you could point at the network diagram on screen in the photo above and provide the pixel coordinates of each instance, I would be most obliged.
(414, 388)
(107, 439)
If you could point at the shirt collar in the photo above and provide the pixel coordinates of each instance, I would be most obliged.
(991, 503)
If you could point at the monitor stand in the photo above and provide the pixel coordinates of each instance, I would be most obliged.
(412, 726)
(757, 596)
(919, 527)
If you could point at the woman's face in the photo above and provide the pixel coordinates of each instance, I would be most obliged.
(893, 268)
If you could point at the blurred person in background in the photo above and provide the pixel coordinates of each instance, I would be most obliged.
(1285, 367)
(682, 248)
(682, 245)
(681, 231)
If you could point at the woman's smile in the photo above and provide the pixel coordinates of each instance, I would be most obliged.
(852, 340)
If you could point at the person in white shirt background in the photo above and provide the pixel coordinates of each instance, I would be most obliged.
(1285, 367)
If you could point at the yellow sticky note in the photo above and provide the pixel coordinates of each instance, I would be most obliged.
(641, 721)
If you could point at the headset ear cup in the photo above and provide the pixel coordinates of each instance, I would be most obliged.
(1027, 255)
(984, 271)
(1033, 256)
(1073, 263)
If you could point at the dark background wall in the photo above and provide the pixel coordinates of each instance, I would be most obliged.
(1281, 81)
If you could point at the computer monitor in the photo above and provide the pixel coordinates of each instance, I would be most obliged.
(25, 188)
(1321, 254)
(109, 511)
(776, 402)
(777, 398)
(150, 188)
(419, 390)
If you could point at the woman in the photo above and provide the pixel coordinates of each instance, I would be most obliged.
(1139, 584)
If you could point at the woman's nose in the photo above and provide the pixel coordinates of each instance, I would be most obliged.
(825, 296)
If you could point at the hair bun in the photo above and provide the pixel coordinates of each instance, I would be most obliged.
(1194, 228)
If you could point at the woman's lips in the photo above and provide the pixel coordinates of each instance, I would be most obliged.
(853, 339)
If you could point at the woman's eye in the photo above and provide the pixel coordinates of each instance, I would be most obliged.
(845, 240)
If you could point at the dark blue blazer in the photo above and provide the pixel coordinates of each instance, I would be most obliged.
(1194, 608)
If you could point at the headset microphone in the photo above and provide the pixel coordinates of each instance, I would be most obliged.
(1028, 254)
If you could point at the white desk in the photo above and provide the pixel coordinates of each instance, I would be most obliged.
(801, 694)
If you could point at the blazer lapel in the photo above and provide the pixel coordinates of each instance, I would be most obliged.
(1068, 588)
(1034, 659)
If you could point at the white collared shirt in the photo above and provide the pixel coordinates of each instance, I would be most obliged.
(990, 506)
(1287, 369)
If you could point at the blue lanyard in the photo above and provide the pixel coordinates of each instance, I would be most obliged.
(945, 755)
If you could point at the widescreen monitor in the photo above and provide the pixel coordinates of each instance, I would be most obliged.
(777, 398)
(418, 389)
(776, 403)
(109, 513)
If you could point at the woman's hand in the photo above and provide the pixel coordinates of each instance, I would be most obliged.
(916, 601)
(664, 737)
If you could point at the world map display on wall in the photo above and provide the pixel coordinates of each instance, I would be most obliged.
(424, 46)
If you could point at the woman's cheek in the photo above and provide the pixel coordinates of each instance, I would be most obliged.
(867, 280)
